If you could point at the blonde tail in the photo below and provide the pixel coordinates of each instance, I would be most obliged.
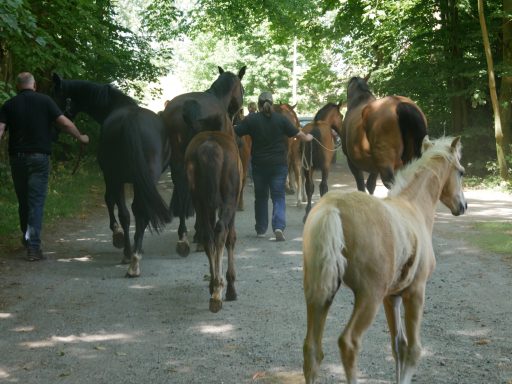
(323, 242)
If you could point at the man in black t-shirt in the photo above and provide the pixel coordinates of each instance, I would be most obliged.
(269, 152)
(29, 117)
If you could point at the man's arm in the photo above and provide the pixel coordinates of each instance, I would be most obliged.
(304, 136)
(69, 127)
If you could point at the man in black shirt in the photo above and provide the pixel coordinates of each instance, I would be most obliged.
(269, 132)
(29, 117)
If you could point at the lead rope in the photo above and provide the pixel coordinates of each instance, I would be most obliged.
(305, 164)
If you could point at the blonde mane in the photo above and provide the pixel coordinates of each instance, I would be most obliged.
(440, 148)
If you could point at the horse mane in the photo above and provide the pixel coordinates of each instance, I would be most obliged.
(103, 95)
(440, 148)
(320, 115)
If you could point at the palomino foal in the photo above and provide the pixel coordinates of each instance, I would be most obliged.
(382, 250)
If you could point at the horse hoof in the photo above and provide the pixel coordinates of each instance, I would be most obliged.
(126, 260)
(304, 218)
(118, 239)
(199, 248)
(182, 248)
(215, 305)
(290, 191)
(231, 296)
(131, 274)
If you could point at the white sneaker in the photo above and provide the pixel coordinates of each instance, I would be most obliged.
(279, 235)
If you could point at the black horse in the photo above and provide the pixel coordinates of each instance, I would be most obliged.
(185, 116)
(134, 148)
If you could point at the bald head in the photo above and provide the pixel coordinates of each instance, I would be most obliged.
(25, 80)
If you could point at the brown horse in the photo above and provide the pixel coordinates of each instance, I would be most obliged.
(379, 136)
(294, 167)
(214, 173)
(185, 116)
(382, 250)
(318, 154)
(244, 148)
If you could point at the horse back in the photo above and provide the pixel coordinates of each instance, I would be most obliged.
(385, 238)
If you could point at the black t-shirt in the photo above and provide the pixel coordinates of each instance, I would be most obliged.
(269, 137)
(29, 116)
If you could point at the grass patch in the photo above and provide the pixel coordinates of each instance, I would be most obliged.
(493, 236)
(68, 196)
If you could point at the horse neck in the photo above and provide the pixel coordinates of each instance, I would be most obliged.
(365, 97)
(424, 188)
(89, 99)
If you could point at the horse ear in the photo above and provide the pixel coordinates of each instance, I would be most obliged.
(456, 142)
(367, 77)
(293, 106)
(241, 72)
(426, 144)
(221, 71)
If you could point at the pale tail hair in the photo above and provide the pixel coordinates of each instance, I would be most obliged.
(324, 263)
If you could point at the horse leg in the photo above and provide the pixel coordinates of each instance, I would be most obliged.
(371, 183)
(358, 175)
(413, 300)
(117, 232)
(182, 246)
(317, 310)
(365, 309)
(241, 197)
(310, 188)
(300, 193)
(398, 341)
(141, 222)
(323, 184)
(216, 279)
(230, 273)
(198, 237)
(124, 219)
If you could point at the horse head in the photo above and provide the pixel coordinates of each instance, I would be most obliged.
(62, 97)
(228, 87)
(452, 195)
(358, 91)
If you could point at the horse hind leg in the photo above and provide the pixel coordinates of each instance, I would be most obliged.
(216, 279)
(117, 232)
(413, 305)
(124, 219)
(312, 350)
(230, 273)
(371, 183)
(365, 309)
(398, 341)
(324, 188)
(141, 223)
(358, 175)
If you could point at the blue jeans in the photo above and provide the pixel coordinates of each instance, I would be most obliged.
(269, 180)
(30, 176)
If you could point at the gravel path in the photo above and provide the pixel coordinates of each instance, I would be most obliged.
(76, 319)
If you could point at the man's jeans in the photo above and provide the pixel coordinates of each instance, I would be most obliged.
(273, 180)
(30, 176)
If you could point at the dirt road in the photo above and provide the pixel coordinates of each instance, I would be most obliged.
(76, 319)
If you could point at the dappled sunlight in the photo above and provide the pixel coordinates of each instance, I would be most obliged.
(83, 338)
(291, 253)
(5, 315)
(80, 259)
(472, 332)
(215, 329)
(28, 328)
(138, 286)
(4, 374)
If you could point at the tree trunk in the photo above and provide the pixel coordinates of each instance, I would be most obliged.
(505, 96)
(456, 86)
(498, 133)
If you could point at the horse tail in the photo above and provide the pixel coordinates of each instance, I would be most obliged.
(413, 128)
(324, 263)
(144, 182)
